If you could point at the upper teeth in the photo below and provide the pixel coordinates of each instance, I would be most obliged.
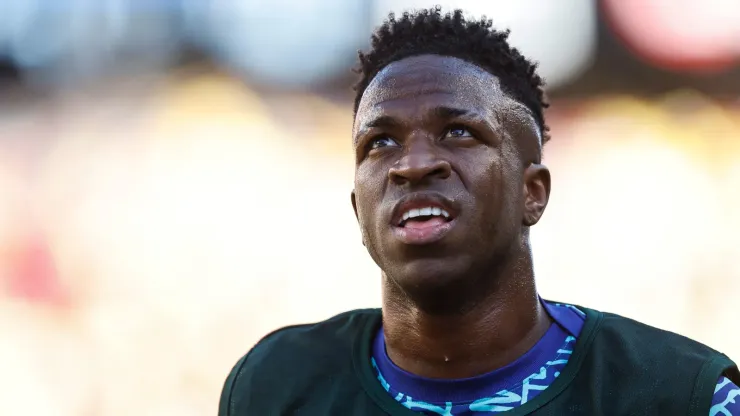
(426, 211)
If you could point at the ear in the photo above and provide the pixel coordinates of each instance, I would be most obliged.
(536, 193)
(354, 207)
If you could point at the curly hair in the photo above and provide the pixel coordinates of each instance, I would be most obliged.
(476, 41)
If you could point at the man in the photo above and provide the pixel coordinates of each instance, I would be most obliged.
(448, 136)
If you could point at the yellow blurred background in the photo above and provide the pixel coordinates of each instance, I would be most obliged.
(155, 224)
(164, 226)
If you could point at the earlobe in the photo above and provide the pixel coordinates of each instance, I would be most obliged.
(536, 193)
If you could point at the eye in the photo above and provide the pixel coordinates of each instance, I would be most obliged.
(457, 131)
(382, 141)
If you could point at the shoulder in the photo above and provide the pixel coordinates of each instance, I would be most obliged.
(310, 340)
(635, 341)
(295, 355)
(676, 368)
(625, 334)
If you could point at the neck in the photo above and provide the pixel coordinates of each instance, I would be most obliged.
(497, 329)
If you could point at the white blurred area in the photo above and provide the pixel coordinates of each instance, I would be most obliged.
(157, 219)
(532, 22)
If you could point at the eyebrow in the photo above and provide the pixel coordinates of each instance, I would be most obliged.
(390, 122)
(382, 121)
(448, 112)
(438, 112)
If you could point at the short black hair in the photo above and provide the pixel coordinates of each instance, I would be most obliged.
(476, 41)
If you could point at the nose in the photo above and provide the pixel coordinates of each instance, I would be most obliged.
(419, 163)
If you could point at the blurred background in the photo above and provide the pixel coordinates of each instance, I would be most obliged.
(175, 179)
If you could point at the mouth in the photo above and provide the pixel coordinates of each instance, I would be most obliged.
(423, 218)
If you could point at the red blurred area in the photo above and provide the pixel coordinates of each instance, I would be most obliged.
(33, 276)
(679, 35)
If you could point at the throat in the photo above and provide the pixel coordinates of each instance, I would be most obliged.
(465, 346)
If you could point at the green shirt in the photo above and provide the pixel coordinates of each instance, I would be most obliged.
(618, 367)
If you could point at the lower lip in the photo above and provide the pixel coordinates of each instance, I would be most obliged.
(423, 235)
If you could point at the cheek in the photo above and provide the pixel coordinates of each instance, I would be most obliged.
(369, 185)
(511, 182)
(493, 180)
(368, 196)
(483, 172)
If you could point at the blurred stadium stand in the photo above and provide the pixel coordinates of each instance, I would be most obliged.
(159, 158)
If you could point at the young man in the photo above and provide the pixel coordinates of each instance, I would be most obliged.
(448, 136)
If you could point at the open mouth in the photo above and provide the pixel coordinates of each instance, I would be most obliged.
(429, 216)
(423, 218)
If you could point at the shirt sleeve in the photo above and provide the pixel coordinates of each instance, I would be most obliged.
(726, 399)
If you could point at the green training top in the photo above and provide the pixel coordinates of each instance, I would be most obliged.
(618, 367)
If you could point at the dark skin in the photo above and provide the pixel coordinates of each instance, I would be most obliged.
(466, 303)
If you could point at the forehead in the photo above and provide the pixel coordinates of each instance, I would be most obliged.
(411, 85)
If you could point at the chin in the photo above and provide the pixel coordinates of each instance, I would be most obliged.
(435, 285)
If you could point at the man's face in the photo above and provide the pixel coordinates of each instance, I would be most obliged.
(446, 177)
